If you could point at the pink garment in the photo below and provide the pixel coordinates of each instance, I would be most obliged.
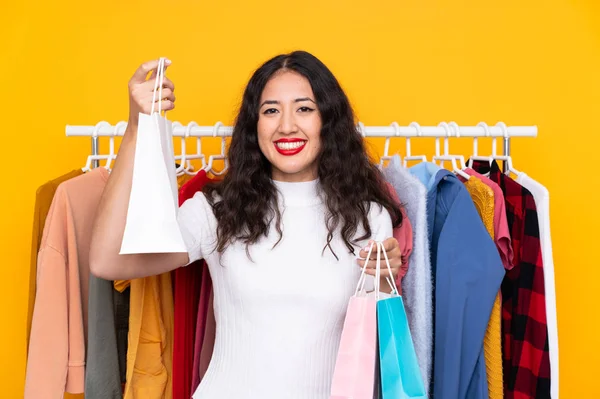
(404, 235)
(501, 232)
(206, 325)
(56, 361)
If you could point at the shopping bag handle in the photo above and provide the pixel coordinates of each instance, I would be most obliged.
(360, 286)
(158, 85)
(391, 280)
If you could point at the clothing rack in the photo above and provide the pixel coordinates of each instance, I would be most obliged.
(413, 130)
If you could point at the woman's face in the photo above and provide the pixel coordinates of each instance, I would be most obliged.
(289, 127)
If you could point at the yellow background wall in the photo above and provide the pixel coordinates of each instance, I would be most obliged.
(525, 63)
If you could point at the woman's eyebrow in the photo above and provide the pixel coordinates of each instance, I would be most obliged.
(296, 101)
(304, 99)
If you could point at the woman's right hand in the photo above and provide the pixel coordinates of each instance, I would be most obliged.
(141, 91)
(111, 215)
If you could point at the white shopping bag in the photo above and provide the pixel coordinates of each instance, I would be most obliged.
(151, 225)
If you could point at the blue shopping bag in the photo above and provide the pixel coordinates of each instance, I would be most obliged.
(400, 376)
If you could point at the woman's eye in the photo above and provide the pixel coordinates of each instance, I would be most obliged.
(305, 109)
(270, 111)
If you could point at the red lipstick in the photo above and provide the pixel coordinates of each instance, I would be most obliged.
(290, 149)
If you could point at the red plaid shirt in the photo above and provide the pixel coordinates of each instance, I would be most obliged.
(525, 333)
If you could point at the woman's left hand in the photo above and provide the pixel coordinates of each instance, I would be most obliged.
(394, 254)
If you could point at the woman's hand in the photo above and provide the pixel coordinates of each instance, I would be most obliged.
(141, 91)
(394, 254)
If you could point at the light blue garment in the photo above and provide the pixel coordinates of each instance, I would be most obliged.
(426, 173)
(467, 272)
(417, 289)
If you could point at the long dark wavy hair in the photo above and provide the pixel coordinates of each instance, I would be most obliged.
(349, 180)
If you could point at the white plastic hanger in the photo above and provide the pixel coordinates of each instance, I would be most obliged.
(505, 158)
(461, 158)
(475, 156)
(222, 156)
(112, 155)
(198, 154)
(185, 166)
(88, 164)
(447, 157)
(409, 156)
(386, 149)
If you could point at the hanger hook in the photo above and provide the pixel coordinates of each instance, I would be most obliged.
(188, 128)
(361, 128)
(502, 126)
(118, 126)
(95, 134)
(99, 125)
(186, 164)
(417, 127)
(198, 145)
(486, 129)
(188, 134)
(216, 128)
(409, 155)
(386, 150)
(456, 128)
(112, 155)
(486, 133)
(222, 156)
(396, 129)
(437, 139)
(179, 169)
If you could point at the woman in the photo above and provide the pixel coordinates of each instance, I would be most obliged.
(280, 233)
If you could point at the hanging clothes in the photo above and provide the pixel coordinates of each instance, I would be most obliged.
(503, 243)
(525, 335)
(106, 367)
(542, 202)
(150, 338)
(43, 199)
(416, 284)
(187, 282)
(59, 323)
(483, 198)
(467, 273)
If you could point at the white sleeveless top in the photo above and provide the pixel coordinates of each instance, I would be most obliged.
(279, 318)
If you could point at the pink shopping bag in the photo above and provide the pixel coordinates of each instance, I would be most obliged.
(355, 367)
